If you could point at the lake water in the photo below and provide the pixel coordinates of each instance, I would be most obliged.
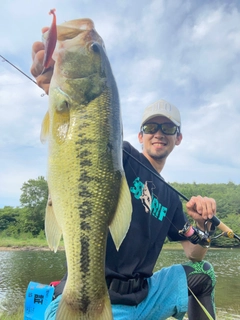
(18, 268)
(226, 263)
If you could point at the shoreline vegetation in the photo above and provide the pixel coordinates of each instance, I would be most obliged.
(23, 226)
(13, 244)
(37, 244)
(25, 243)
(61, 248)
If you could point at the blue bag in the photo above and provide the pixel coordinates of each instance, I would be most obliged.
(38, 297)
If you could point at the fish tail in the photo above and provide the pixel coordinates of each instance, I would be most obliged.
(101, 311)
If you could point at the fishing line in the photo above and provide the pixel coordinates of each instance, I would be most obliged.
(214, 220)
(185, 198)
(4, 59)
(226, 230)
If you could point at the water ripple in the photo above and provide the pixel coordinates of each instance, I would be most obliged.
(18, 268)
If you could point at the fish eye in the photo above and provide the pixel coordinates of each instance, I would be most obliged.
(95, 47)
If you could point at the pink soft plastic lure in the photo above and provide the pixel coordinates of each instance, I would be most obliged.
(50, 41)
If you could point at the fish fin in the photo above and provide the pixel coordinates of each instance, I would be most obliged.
(100, 310)
(52, 228)
(45, 128)
(121, 221)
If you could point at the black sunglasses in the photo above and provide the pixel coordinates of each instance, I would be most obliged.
(166, 128)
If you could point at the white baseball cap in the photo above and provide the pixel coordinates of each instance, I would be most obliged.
(162, 108)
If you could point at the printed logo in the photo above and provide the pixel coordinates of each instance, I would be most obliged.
(149, 200)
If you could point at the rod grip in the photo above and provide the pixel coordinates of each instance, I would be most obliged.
(220, 224)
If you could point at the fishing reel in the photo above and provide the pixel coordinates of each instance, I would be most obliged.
(196, 235)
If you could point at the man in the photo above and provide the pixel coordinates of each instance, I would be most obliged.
(135, 292)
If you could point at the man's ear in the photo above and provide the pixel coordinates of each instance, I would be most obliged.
(178, 139)
(140, 137)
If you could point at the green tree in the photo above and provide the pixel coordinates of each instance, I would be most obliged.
(228, 205)
(233, 222)
(33, 200)
(8, 216)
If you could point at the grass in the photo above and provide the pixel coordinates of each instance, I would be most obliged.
(23, 241)
(172, 245)
(15, 314)
(13, 242)
(18, 315)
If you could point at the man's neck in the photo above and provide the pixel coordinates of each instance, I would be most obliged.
(157, 164)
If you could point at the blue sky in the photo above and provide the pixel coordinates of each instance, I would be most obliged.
(186, 52)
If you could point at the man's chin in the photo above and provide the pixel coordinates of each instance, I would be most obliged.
(156, 156)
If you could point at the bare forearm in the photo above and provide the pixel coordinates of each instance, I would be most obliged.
(194, 252)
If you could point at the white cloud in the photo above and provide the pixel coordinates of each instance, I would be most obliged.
(184, 51)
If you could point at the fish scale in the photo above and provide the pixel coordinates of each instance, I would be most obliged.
(86, 180)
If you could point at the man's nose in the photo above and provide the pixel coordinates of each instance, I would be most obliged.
(159, 133)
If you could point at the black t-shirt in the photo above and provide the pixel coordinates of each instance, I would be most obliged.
(157, 214)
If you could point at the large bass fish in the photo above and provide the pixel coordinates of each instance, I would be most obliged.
(86, 180)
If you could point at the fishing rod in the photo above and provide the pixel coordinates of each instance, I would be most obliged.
(226, 231)
(4, 59)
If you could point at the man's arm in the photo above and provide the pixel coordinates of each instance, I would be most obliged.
(200, 209)
(193, 252)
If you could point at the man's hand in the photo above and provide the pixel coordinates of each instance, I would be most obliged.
(38, 51)
(201, 209)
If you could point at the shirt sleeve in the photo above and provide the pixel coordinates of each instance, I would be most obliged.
(130, 149)
(177, 224)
